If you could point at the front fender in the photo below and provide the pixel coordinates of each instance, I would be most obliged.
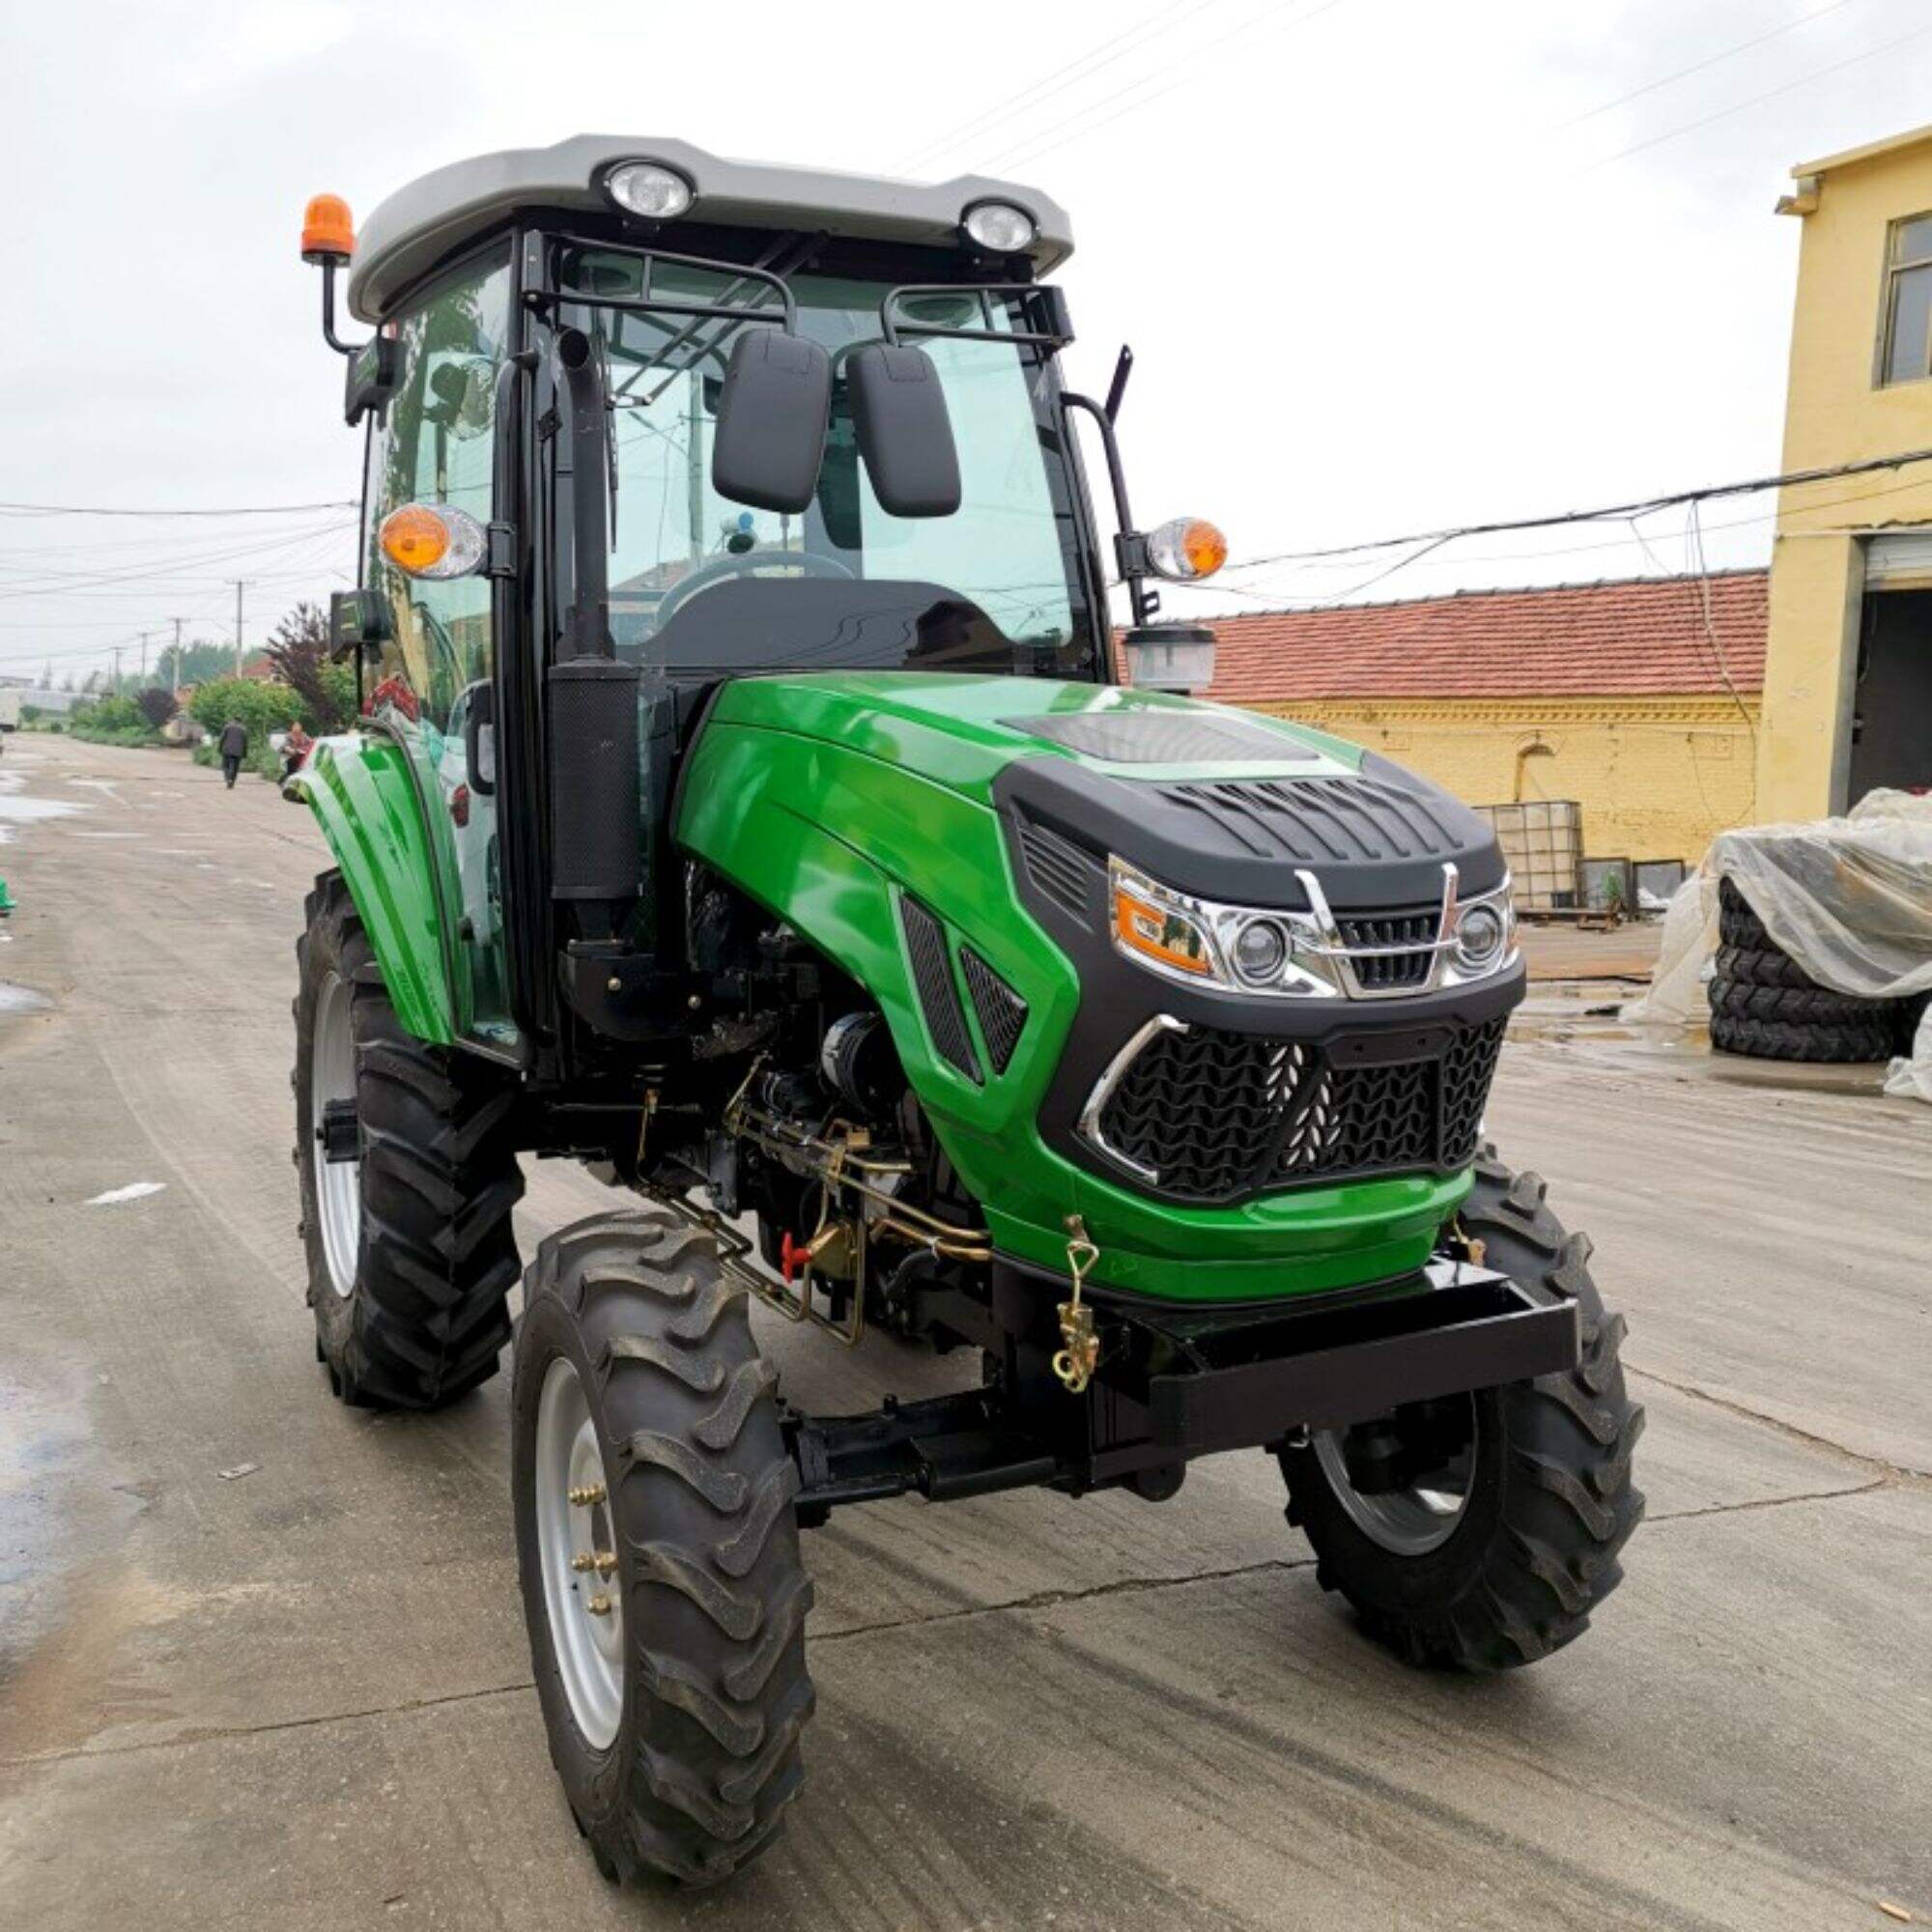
(365, 797)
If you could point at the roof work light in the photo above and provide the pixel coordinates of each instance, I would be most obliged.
(999, 227)
(648, 189)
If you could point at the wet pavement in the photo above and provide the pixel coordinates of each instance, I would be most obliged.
(261, 1659)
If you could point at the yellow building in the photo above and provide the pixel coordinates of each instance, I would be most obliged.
(1638, 699)
(1848, 686)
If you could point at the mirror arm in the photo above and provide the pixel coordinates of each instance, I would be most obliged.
(1129, 543)
(329, 335)
(1117, 389)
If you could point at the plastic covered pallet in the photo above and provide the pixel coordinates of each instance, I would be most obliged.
(1850, 900)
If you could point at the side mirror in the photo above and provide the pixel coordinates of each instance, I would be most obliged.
(904, 430)
(359, 624)
(373, 370)
(771, 414)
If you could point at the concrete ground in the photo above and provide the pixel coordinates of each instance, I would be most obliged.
(261, 1659)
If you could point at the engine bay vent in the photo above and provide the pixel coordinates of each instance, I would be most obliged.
(938, 996)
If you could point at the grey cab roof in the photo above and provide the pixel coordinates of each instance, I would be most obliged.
(424, 222)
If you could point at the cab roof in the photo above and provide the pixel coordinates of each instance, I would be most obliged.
(431, 218)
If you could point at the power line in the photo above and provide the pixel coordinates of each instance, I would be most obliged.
(1607, 513)
(1080, 68)
(1757, 100)
(239, 510)
(1699, 66)
(1029, 150)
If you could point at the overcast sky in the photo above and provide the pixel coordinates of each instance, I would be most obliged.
(1384, 264)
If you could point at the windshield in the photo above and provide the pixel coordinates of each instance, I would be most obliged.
(702, 586)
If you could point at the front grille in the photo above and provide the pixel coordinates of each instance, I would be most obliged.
(1391, 972)
(1215, 1116)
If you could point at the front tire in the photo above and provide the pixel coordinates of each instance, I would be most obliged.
(1496, 1555)
(669, 1656)
(411, 1252)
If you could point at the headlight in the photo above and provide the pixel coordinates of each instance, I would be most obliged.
(648, 189)
(1481, 934)
(999, 227)
(1160, 927)
(1301, 954)
(1261, 952)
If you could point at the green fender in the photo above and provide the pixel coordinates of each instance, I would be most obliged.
(366, 799)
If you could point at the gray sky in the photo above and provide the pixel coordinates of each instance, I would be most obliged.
(1378, 272)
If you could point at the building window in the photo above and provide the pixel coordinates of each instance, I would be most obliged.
(1907, 303)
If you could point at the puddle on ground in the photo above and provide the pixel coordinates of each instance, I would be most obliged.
(15, 809)
(21, 1000)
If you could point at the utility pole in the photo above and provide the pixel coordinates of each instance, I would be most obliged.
(178, 656)
(145, 636)
(117, 669)
(240, 584)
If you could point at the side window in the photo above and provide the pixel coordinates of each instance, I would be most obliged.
(436, 446)
(1907, 354)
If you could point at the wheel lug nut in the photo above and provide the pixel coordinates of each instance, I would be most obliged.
(589, 1493)
(603, 1561)
(598, 1605)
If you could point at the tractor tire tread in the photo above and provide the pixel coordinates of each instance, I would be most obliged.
(707, 1755)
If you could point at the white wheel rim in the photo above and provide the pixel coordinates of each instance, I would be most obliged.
(1406, 1523)
(338, 1183)
(588, 1646)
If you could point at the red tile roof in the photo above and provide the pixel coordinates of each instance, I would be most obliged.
(1585, 639)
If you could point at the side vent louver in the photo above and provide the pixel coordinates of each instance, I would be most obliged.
(932, 980)
(1059, 868)
(1001, 1011)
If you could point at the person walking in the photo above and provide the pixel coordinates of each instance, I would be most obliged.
(234, 748)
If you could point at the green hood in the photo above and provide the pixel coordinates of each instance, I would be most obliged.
(961, 731)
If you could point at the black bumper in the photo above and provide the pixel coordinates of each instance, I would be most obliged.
(1348, 1358)
(1174, 1385)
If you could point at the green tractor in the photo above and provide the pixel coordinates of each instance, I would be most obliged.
(752, 801)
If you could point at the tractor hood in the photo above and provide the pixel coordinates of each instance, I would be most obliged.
(1224, 803)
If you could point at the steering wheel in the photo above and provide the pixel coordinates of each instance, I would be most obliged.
(807, 563)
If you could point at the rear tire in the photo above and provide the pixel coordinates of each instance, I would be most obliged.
(411, 1253)
(1738, 924)
(1797, 1005)
(683, 1766)
(1855, 1041)
(1547, 1500)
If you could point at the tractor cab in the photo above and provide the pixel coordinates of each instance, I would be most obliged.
(640, 420)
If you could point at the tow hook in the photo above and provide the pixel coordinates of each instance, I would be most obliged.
(1076, 1362)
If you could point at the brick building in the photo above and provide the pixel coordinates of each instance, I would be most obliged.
(1639, 699)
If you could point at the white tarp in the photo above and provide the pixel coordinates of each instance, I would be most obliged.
(1849, 898)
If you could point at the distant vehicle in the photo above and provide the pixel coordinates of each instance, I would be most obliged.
(10, 710)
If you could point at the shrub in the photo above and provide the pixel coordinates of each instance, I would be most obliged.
(261, 707)
(158, 704)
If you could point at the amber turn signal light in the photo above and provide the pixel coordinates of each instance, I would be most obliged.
(1188, 547)
(329, 235)
(433, 540)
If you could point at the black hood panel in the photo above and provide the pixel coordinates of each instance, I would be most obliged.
(1374, 840)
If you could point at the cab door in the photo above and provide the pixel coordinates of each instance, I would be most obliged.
(434, 686)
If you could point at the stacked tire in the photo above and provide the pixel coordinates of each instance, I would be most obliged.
(1765, 1006)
